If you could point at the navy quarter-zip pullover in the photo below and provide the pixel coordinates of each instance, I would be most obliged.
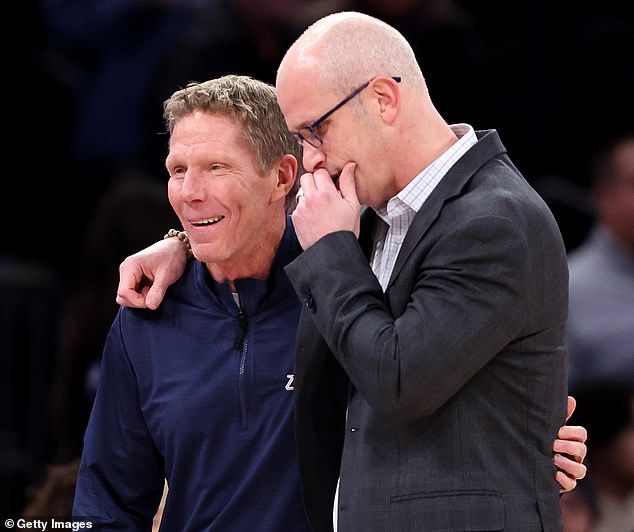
(199, 392)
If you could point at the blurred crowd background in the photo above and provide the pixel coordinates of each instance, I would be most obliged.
(83, 85)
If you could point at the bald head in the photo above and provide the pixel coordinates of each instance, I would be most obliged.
(343, 49)
(390, 129)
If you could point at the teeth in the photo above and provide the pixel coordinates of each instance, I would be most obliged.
(208, 221)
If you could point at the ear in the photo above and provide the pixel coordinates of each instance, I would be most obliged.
(388, 97)
(286, 175)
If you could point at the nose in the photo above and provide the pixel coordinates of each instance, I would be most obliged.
(192, 186)
(312, 157)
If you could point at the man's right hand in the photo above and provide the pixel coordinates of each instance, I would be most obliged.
(145, 276)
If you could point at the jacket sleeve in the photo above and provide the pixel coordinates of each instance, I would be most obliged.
(461, 303)
(121, 477)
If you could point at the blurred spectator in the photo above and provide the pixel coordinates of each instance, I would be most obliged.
(606, 409)
(578, 508)
(29, 323)
(108, 51)
(95, 73)
(53, 496)
(232, 37)
(82, 72)
(571, 204)
(132, 214)
(601, 317)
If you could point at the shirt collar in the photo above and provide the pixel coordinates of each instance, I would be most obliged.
(418, 190)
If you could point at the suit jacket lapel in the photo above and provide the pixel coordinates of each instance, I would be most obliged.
(451, 185)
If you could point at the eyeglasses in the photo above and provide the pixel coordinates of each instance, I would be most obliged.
(308, 133)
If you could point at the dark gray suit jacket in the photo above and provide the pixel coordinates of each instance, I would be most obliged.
(454, 380)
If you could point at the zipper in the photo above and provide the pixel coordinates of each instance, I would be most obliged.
(241, 344)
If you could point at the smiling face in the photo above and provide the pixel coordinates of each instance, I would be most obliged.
(232, 213)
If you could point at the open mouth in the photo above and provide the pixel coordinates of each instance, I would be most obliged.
(208, 221)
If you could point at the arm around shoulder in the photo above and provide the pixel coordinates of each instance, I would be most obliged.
(145, 276)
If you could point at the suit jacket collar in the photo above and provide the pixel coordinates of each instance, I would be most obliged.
(488, 147)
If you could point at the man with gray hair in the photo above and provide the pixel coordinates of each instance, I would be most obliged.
(200, 393)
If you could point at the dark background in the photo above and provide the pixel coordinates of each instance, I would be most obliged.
(83, 150)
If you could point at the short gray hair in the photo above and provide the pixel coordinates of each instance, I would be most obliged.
(251, 102)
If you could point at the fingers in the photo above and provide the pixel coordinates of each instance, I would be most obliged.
(575, 433)
(566, 483)
(569, 472)
(570, 467)
(323, 180)
(347, 184)
(319, 180)
(155, 294)
(570, 446)
(145, 293)
(130, 298)
(570, 452)
(575, 451)
(572, 404)
(307, 183)
(131, 289)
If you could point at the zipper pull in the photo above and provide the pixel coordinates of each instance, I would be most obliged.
(241, 332)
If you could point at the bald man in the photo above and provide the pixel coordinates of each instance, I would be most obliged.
(432, 340)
